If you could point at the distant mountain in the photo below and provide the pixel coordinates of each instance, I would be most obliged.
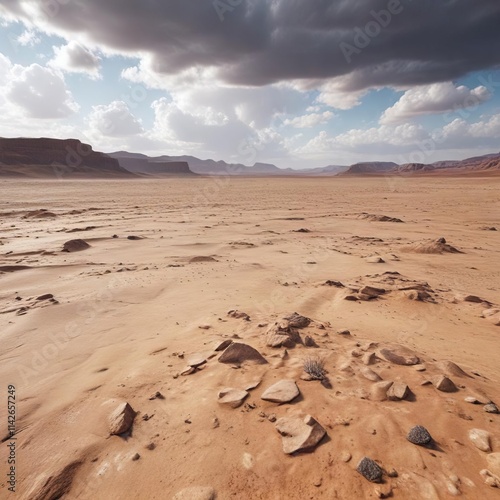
(374, 167)
(55, 158)
(141, 164)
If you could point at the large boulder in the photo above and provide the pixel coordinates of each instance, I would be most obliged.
(299, 434)
(75, 246)
(296, 320)
(282, 335)
(232, 397)
(399, 355)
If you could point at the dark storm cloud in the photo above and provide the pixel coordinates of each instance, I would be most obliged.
(257, 42)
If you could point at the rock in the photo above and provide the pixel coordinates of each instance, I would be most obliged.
(480, 439)
(281, 335)
(419, 435)
(345, 456)
(372, 291)
(343, 332)
(491, 408)
(493, 460)
(253, 385)
(473, 298)
(195, 493)
(398, 391)
(384, 491)
(310, 342)
(238, 353)
(378, 391)
(452, 369)
(295, 320)
(490, 479)
(75, 246)
(352, 298)
(222, 345)
(233, 313)
(334, 283)
(283, 391)
(370, 374)
(420, 368)
(489, 312)
(370, 470)
(375, 260)
(134, 238)
(121, 419)
(188, 370)
(195, 360)
(444, 384)
(136, 457)
(47, 296)
(400, 355)
(369, 358)
(299, 434)
(232, 397)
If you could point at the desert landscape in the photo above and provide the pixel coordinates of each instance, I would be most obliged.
(259, 338)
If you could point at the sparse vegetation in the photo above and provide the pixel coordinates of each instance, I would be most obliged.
(315, 367)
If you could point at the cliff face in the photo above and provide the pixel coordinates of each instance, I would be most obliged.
(151, 166)
(55, 157)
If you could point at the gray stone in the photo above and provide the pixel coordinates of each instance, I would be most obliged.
(400, 355)
(444, 384)
(419, 435)
(121, 419)
(232, 397)
(299, 434)
(480, 439)
(238, 353)
(398, 391)
(283, 391)
(370, 470)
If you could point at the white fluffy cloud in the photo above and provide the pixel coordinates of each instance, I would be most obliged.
(433, 99)
(40, 92)
(310, 120)
(75, 58)
(114, 120)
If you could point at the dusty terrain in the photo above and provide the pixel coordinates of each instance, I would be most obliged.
(125, 316)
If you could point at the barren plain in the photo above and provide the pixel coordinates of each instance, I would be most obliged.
(398, 281)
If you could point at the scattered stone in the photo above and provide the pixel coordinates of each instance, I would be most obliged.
(195, 360)
(493, 460)
(375, 260)
(272, 417)
(419, 435)
(157, 395)
(75, 246)
(345, 456)
(352, 298)
(121, 419)
(372, 291)
(238, 315)
(343, 332)
(238, 353)
(420, 368)
(204, 327)
(295, 320)
(474, 298)
(378, 391)
(222, 345)
(47, 296)
(282, 335)
(369, 358)
(370, 374)
(480, 439)
(215, 423)
(334, 283)
(384, 491)
(299, 434)
(444, 384)
(136, 457)
(196, 493)
(452, 369)
(490, 479)
(253, 385)
(400, 355)
(491, 408)
(283, 391)
(134, 238)
(232, 397)
(398, 391)
(370, 470)
(309, 342)
(189, 370)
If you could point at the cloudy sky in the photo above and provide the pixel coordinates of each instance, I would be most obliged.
(298, 83)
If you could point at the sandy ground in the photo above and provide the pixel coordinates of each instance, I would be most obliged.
(126, 315)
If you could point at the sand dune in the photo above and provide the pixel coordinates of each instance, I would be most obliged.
(269, 344)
